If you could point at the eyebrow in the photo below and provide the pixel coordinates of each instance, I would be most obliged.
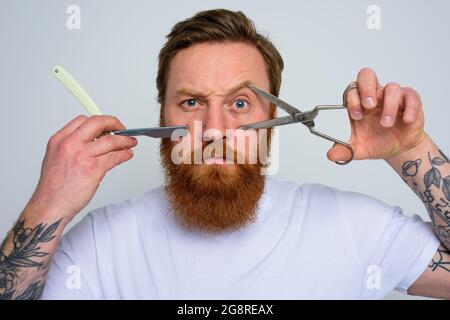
(193, 93)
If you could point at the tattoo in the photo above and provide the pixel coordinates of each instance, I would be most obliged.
(410, 168)
(33, 292)
(443, 260)
(443, 155)
(25, 254)
(435, 193)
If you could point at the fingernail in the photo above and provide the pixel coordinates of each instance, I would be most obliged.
(386, 121)
(356, 115)
(368, 102)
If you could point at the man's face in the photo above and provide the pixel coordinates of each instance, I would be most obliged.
(209, 83)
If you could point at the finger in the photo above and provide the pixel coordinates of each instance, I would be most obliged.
(412, 105)
(114, 158)
(391, 104)
(354, 105)
(95, 126)
(339, 153)
(71, 126)
(110, 143)
(367, 87)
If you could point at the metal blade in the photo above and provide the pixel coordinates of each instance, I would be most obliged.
(275, 100)
(268, 123)
(155, 132)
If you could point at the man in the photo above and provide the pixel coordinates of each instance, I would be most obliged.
(220, 230)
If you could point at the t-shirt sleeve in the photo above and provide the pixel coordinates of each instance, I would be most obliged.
(391, 246)
(73, 269)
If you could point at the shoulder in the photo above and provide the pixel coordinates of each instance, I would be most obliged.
(329, 204)
(117, 218)
(128, 210)
(316, 193)
(307, 189)
(346, 201)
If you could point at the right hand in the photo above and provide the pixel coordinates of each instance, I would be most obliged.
(75, 163)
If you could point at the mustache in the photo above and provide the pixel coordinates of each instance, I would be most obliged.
(251, 149)
(216, 149)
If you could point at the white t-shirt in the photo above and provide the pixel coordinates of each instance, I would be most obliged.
(309, 241)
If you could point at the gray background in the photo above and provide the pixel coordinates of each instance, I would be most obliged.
(113, 55)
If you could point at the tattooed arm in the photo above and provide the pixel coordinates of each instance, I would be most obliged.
(426, 170)
(387, 123)
(75, 163)
(25, 257)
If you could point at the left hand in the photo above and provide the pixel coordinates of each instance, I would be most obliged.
(385, 121)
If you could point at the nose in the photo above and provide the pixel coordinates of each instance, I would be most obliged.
(214, 122)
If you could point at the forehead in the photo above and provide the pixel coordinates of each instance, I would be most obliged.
(215, 67)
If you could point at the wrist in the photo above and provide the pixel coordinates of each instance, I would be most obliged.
(37, 211)
(420, 149)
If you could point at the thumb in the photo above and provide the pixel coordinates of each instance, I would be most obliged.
(339, 153)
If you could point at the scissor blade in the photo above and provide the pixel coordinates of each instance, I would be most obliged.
(268, 123)
(275, 100)
(156, 132)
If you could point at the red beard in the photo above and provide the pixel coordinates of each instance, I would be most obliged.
(212, 198)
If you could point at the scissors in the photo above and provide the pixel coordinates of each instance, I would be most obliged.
(295, 116)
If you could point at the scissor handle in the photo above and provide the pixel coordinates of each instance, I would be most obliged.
(314, 113)
(352, 85)
(311, 125)
(336, 141)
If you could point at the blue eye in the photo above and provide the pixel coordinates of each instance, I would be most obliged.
(240, 104)
(190, 102)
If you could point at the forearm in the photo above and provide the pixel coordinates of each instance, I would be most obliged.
(426, 170)
(72, 170)
(26, 253)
